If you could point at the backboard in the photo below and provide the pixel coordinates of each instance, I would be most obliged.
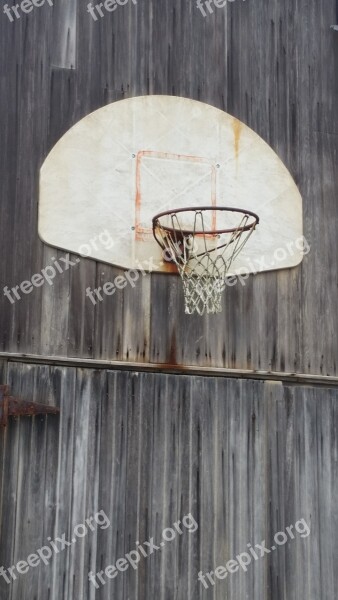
(122, 164)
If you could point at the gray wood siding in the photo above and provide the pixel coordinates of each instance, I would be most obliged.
(246, 458)
(271, 64)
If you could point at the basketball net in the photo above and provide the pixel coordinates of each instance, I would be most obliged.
(202, 257)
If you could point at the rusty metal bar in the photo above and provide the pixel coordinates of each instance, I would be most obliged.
(15, 407)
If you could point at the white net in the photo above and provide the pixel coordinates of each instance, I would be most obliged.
(203, 254)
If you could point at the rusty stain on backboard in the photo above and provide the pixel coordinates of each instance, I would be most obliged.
(237, 126)
(142, 232)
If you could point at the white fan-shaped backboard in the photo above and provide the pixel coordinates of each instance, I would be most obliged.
(113, 171)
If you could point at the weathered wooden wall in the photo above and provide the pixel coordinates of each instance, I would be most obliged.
(246, 458)
(273, 65)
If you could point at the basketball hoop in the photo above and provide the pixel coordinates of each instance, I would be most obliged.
(203, 251)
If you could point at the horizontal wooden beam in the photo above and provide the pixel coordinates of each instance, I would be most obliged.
(65, 361)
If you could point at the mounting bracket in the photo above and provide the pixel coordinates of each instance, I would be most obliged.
(15, 407)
